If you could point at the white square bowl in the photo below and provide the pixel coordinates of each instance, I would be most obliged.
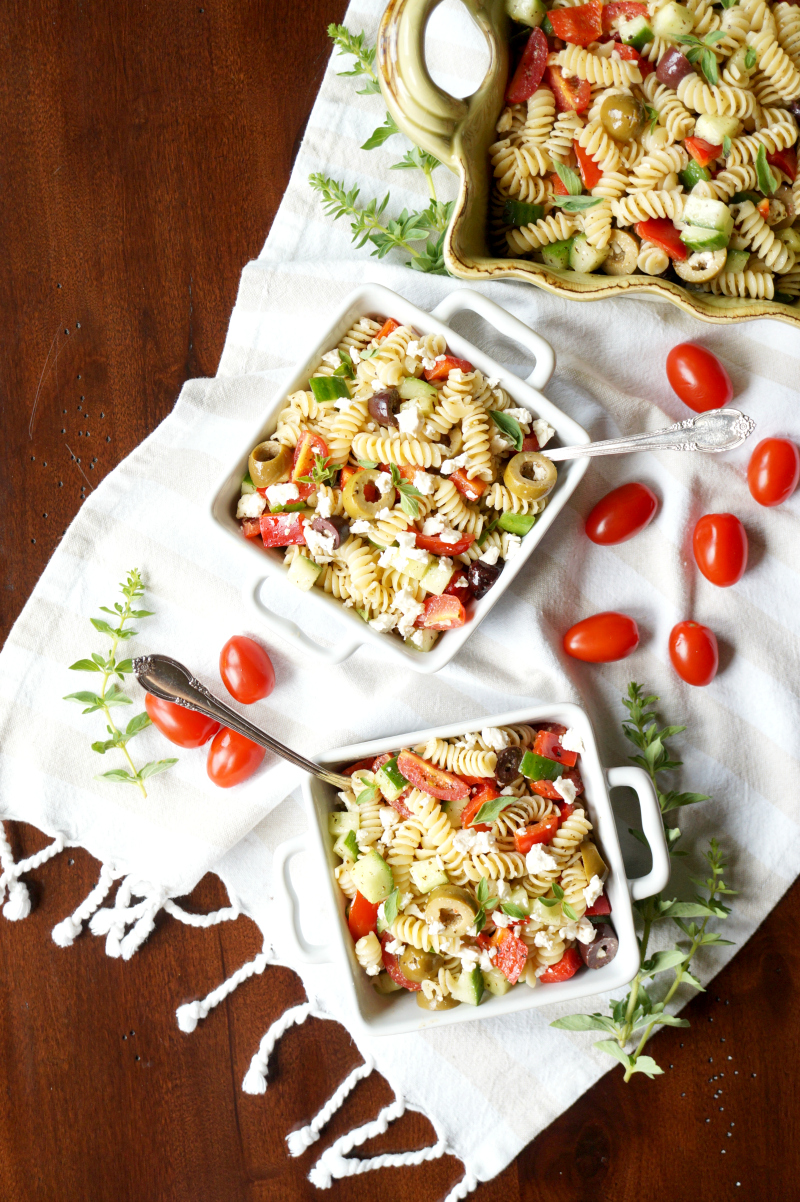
(373, 300)
(396, 1013)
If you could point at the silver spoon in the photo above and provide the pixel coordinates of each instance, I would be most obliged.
(171, 681)
(712, 432)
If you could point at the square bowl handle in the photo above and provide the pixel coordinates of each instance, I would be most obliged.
(505, 323)
(308, 953)
(285, 628)
(652, 825)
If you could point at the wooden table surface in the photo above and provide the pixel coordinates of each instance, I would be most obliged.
(145, 150)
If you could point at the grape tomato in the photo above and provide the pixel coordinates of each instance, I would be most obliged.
(720, 548)
(602, 638)
(773, 471)
(186, 728)
(246, 670)
(621, 514)
(698, 377)
(232, 758)
(694, 652)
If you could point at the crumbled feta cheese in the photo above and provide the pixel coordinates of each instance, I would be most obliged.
(493, 381)
(501, 920)
(541, 970)
(450, 465)
(543, 431)
(382, 912)
(511, 544)
(324, 505)
(251, 505)
(361, 527)
(407, 542)
(432, 991)
(436, 525)
(469, 957)
(409, 609)
(387, 556)
(523, 416)
(585, 931)
(378, 385)
(486, 962)
(425, 483)
(435, 927)
(569, 930)
(412, 349)
(355, 355)
(491, 556)
(362, 838)
(499, 888)
(320, 545)
(417, 638)
(484, 843)
(281, 494)
(440, 358)
(372, 970)
(571, 741)
(405, 899)
(415, 911)
(540, 471)
(395, 948)
(462, 582)
(333, 358)
(500, 444)
(566, 789)
(464, 841)
(593, 891)
(383, 482)
(389, 818)
(539, 860)
(343, 403)
(383, 514)
(383, 623)
(409, 420)
(445, 563)
(544, 939)
(494, 737)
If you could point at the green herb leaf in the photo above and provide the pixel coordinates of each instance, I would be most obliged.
(102, 625)
(85, 665)
(569, 178)
(391, 906)
(366, 795)
(124, 667)
(568, 910)
(612, 1048)
(345, 367)
(577, 204)
(548, 901)
(726, 146)
(509, 426)
(767, 183)
(379, 136)
(136, 724)
(585, 1022)
(118, 776)
(366, 463)
(482, 890)
(417, 159)
(364, 54)
(351, 843)
(750, 58)
(663, 960)
(651, 116)
(558, 891)
(487, 530)
(646, 1065)
(490, 809)
(513, 910)
(154, 767)
(91, 700)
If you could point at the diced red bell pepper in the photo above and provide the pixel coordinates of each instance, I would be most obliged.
(475, 781)
(539, 832)
(430, 779)
(459, 586)
(590, 171)
(600, 906)
(486, 791)
(547, 788)
(443, 613)
(565, 811)
(580, 25)
(348, 470)
(661, 232)
(612, 13)
(571, 94)
(512, 953)
(431, 542)
(388, 327)
(309, 445)
(559, 187)
(548, 744)
(785, 160)
(251, 527)
(392, 966)
(471, 489)
(530, 69)
(442, 369)
(763, 207)
(567, 966)
(360, 766)
(282, 529)
(701, 151)
(530, 442)
(633, 56)
(363, 917)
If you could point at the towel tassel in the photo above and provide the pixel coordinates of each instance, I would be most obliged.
(18, 905)
(255, 1079)
(299, 1141)
(190, 1014)
(141, 918)
(67, 931)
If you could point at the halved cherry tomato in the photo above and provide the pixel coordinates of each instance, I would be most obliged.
(602, 638)
(474, 781)
(694, 653)
(282, 529)
(251, 527)
(701, 151)
(388, 327)
(548, 744)
(471, 489)
(442, 369)
(567, 966)
(431, 542)
(443, 613)
(512, 953)
(232, 758)
(530, 70)
(629, 9)
(184, 727)
(580, 25)
(530, 442)
(360, 766)
(559, 187)
(486, 791)
(664, 234)
(571, 94)
(785, 160)
(621, 514)
(698, 377)
(392, 966)
(309, 445)
(773, 471)
(633, 56)
(459, 586)
(547, 788)
(600, 906)
(720, 548)
(430, 779)
(246, 670)
(363, 917)
(539, 832)
(590, 172)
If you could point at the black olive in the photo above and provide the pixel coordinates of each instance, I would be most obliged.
(674, 66)
(508, 762)
(328, 526)
(604, 948)
(382, 406)
(482, 576)
(794, 109)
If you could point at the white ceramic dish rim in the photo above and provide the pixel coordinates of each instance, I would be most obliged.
(394, 1015)
(373, 299)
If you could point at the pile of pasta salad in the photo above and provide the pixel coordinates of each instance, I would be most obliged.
(469, 867)
(400, 481)
(654, 138)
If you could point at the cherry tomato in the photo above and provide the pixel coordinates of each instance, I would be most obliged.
(547, 788)
(540, 832)
(698, 377)
(485, 791)
(432, 542)
(445, 786)
(694, 652)
(602, 638)
(548, 744)
(773, 471)
(443, 613)
(579, 25)
(720, 548)
(232, 758)
(599, 907)
(621, 514)
(512, 954)
(567, 966)
(246, 670)
(363, 917)
(184, 727)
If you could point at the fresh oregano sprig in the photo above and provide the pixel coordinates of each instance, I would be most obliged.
(635, 1016)
(110, 695)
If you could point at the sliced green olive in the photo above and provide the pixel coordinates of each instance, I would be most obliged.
(268, 464)
(453, 906)
(530, 475)
(383, 983)
(418, 966)
(432, 1003)
(593, 862)
(355, 501)
(621, 116)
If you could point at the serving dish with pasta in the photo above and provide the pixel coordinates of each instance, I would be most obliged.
(477, 872)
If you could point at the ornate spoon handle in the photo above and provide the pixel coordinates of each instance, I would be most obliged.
(712, 432)
(172, 681)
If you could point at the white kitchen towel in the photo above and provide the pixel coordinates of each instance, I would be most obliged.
(488, 1087)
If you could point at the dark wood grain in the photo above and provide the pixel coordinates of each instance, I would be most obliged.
(145, 150)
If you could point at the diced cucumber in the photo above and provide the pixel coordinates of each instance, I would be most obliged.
(584, 257)
(495, 982)
(383, 983)
(390, 780)
(517, 523)
(715, 129)
(412, 389)
(673, 21)
(425, 640)
(304, 572)
(539, 767)
(289, 507)
(708, 213)
(454, 810)
(437, 577)
(373, 877)
(636, 33)
(346, 847)
(552, 915)
(342, 821)
(692, 174)
(737, 259)
(415, 568)
(520, 898)
(469, 987)
(328, 388)
(557, 253)
(427, 876)
(247, 484)
(527, 12)
(696, 237)
(519, 212)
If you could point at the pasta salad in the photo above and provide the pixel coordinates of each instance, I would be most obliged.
(400, 481)
(655, 139)
(469, 867)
